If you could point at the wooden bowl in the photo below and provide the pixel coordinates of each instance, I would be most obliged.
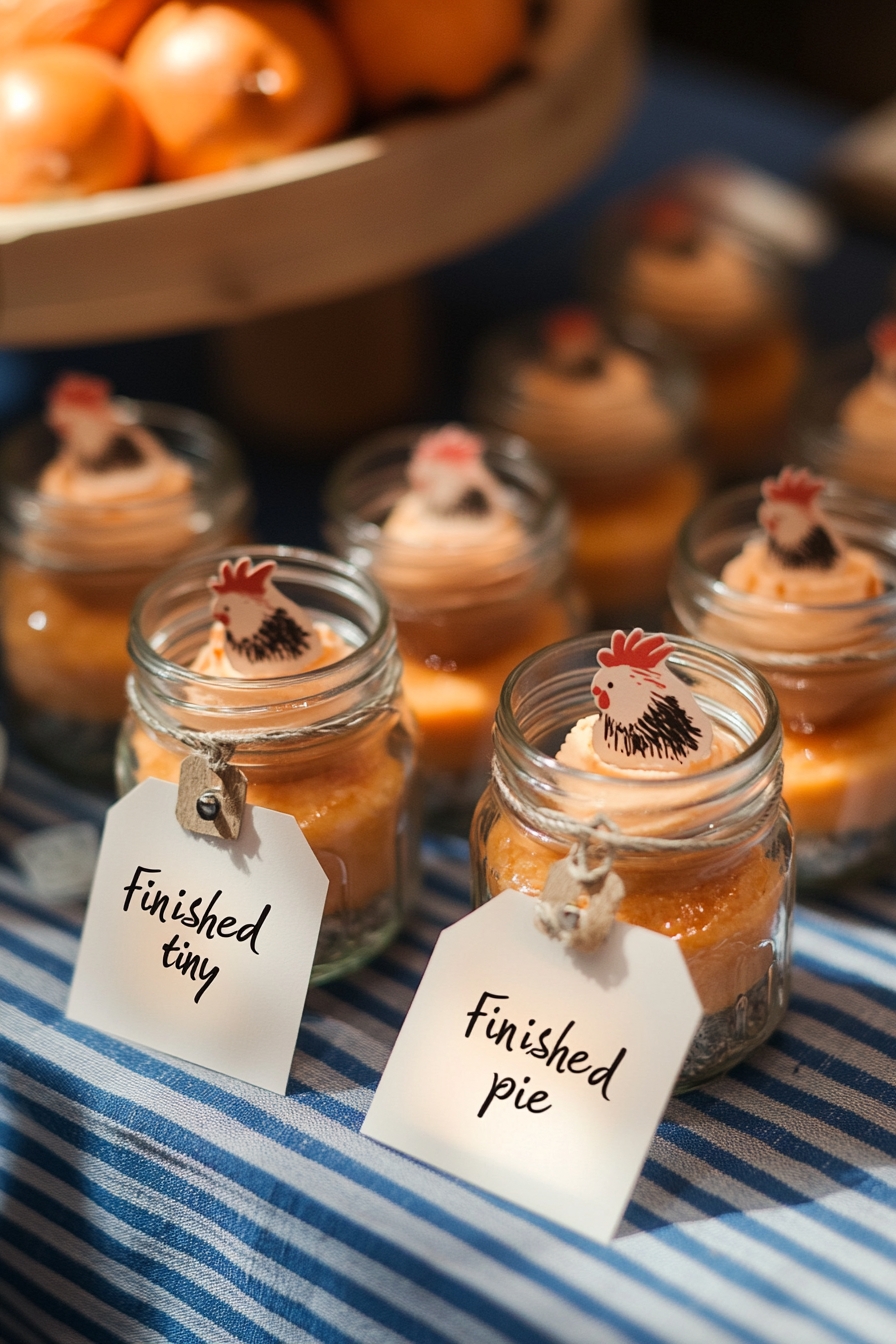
(328, 222)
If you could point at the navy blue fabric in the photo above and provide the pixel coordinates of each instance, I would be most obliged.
(144, 1199)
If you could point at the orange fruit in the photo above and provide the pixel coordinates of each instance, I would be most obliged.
(227, 84)
(97, 23)
(447, 49)
(68, 126)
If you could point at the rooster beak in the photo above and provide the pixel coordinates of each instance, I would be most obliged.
(222, 617)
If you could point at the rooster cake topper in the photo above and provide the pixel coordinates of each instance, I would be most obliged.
(94, 429)
(266, 634)
(575, 341)
(447, 471)
(649, 719)
(798, 534)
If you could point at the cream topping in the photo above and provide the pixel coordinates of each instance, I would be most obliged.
(104, 456)
(854, 577)
(868, 414)
(614, 412)
(710, 290)
(454, 528)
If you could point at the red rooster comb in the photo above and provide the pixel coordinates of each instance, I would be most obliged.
(574, 329)
(635, 650)
(882, 338)
(793, 486)
(81, 390)
(668, 219)
(242, 578)
(452, 444)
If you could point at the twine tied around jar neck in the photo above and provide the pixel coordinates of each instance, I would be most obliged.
(578, 902)
(211, 792)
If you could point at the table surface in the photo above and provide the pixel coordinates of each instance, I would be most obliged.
(144, 1199)
(147, 1200)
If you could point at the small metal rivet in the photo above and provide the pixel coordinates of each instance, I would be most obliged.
(208, 804)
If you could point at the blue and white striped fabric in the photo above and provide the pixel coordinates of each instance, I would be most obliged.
(144, 1200)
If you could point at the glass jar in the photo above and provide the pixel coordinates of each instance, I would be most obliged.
(72, 572)
(612, 419)
(459, 638)
(662, 261)
(729, 906)
(345, 776)
(847, 416)
(833, 669)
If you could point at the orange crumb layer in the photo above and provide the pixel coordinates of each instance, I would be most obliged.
(622, 547)
(72, 658)
(747, 388)
(842, 776)
(347, 802)
(455, 706)
(722, 912)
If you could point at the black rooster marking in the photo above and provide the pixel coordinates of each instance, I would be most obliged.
(473, 503)
(278, 636)
(664, 732)
(815, 551)
(120, 453)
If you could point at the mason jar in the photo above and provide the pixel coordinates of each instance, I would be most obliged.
(661, 261)
(464, 618)
(72, 571)
(722, 888)
(846, 421)
(612, 417)
(833, 669)
(344, 774)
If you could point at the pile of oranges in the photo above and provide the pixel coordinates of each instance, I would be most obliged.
(102, 94)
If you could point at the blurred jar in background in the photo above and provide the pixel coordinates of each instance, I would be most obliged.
(467, 536)
(611, 420)
(847, 427)
(663, 260)
(809, 599)
(95, 500)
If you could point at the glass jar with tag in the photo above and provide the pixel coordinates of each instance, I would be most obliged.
(95, 500)
(799, 579)
(468, 538)
(664, 261)
(698, 848)
(612, 418)
(292, 669)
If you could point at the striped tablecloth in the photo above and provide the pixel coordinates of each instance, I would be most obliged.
(147, 1200)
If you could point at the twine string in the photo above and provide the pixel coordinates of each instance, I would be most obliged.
(218, 748)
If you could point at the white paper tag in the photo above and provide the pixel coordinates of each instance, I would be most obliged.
(539, 1074)
(59, 861)
(787, 219)
(197, 946)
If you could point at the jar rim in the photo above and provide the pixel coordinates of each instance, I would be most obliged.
(858, 505)
(704, 654)
(148, 660)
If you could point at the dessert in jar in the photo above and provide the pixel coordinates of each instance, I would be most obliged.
(808, 598)
(468, 539)
(663, 261)
(663, 759)
(96, 499)
(848, 428)
(291, 663)
(611, 420)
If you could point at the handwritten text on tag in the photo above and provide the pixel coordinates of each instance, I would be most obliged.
(198, 946)
(539, 1074)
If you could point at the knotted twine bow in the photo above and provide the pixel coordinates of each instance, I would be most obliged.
(578, 903)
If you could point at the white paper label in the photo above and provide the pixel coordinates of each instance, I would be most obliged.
(539, 1074)
(59, 861)
(197, 946)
